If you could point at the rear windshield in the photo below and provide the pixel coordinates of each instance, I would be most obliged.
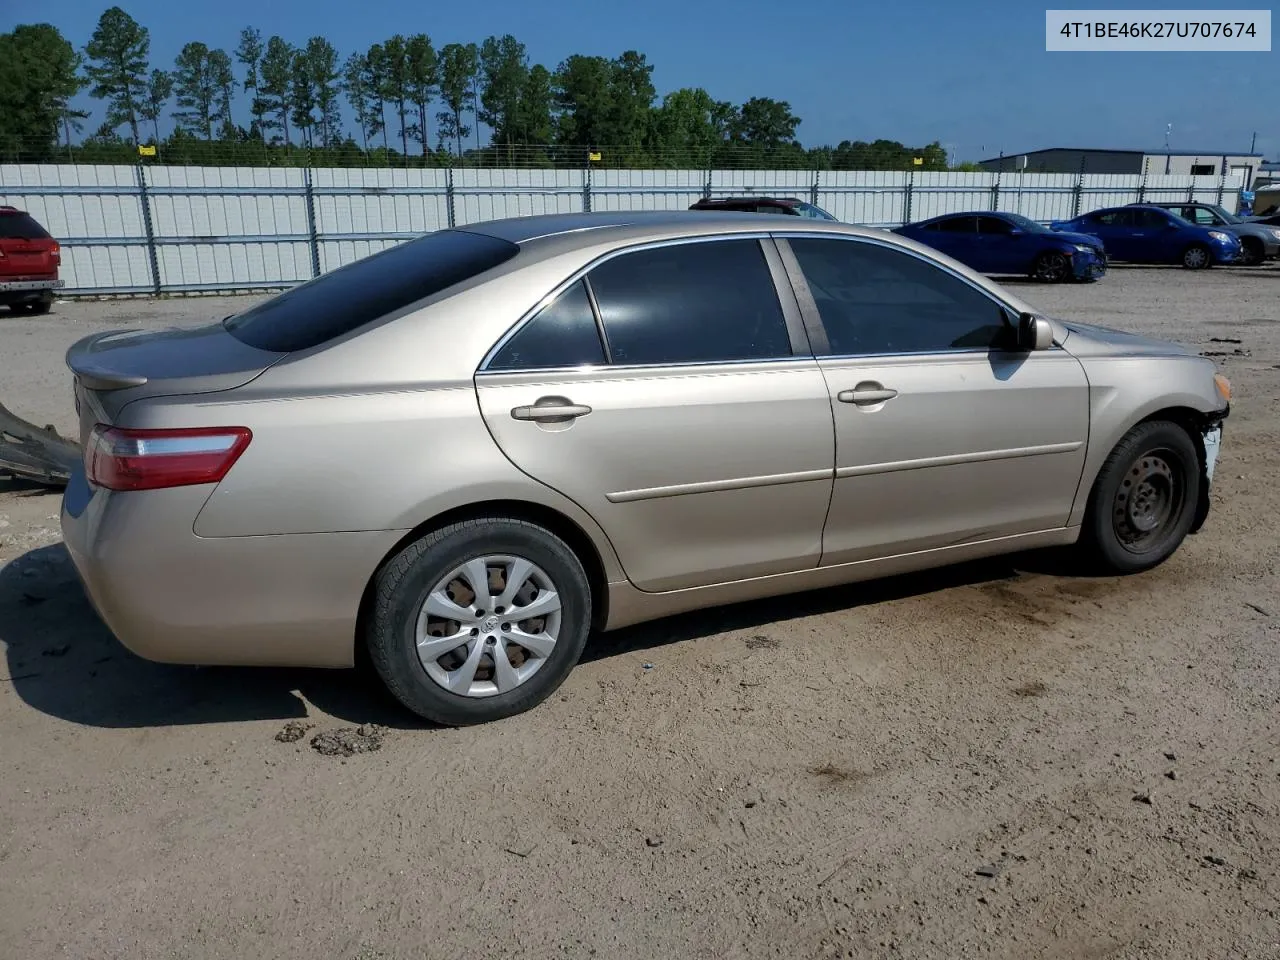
(21, 226)
(336, 303)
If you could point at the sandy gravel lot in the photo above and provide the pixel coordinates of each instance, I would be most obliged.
(998, 760)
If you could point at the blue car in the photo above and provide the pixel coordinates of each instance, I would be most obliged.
(1006, 243)
(1143, 233)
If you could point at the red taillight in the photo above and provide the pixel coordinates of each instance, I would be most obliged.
(55, 252)
(119, 459)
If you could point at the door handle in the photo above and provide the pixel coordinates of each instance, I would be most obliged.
(866, 393)
(551, 410)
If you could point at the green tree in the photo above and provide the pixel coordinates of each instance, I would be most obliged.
(692, 121)
(421, 81)
(117, 66)
(393, 71)
(765, 122)
(458, 65)
(631, 94)
(583, 100)
(504, 71)
(277, 85)
(317, 84)
(249, 53)
(202, 82)
(38, 77)
(376, 62)
(536, 124)
(356, 85)
(159, 90)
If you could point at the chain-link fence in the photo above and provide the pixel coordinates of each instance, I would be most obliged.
(155, 228)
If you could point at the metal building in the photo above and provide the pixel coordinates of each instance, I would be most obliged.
(1208, 163)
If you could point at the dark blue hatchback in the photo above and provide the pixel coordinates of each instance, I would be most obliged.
(1010, 244)
(1150, 234)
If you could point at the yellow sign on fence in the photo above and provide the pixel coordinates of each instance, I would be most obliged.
(593, 155)
(145, 150)
(918, 161)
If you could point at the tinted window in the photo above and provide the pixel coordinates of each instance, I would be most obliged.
(21, 226)
(873, 299)
(1150, 218)
(349, 297)
(957, 225)
(691, 302)
(1110, 218)
(563, 334)
(994, 225)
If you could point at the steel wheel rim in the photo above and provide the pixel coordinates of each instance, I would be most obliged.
(1195, 257)
(1148, 501)
(488, 625)
(1052, 266)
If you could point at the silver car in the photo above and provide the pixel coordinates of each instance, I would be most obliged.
(471, 451)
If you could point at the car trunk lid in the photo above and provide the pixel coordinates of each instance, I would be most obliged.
(116, 368)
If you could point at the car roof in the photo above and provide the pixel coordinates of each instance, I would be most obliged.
(788, 201)
(563, 232)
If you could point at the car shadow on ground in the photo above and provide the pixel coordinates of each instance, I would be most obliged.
(62, 660)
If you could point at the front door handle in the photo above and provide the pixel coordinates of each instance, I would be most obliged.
(551, 410)
(866, 393)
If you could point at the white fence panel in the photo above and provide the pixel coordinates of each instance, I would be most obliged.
(646, 189)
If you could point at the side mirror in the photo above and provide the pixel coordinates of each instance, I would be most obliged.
(1034, 333)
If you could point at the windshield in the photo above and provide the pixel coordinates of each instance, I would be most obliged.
(1027, 224)
(1228, 217)
(812, 212)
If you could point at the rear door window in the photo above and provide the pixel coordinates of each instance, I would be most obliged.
(339, 302)
(21, 226)
(698, 302)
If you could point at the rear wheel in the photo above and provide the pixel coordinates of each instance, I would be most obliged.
(1051, 267)
(1144, 500)
(1252, 253)
(1196, 257)
(39, 306)
(479, 620)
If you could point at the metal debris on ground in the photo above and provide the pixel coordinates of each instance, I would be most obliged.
(293, 731)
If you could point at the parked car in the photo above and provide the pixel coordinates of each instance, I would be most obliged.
(1007, 243)
(468, 452)
(1145, 233)
(29, 260)
(1271, 220)
(1258, 242)
(787, 206)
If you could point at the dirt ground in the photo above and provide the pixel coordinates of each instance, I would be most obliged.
(998, 760)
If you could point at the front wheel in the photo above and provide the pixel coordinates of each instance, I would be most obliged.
(479, 620)
(1144, 500)
(1051, 267)
(1252, 252)
(1196, 257)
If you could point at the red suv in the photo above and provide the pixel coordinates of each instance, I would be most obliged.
(29, 260)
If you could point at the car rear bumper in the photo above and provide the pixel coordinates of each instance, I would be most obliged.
(173, 597)
(23, 286)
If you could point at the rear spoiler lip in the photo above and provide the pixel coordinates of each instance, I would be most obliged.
(93, 376)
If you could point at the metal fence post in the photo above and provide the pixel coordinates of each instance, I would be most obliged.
(1222, 180)
(706, 186)
(1142, 184)
(311, 221)
(907, 191)
(449, 197)
(813, 191)
(586, 187)
(144, 199)
(1078, 191)
(995, 191)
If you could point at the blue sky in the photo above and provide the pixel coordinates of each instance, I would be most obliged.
(974, 76)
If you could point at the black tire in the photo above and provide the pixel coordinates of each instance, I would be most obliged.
(401, 589)
(1151, 477)
(39, 307)
(1252, 253)
(1051, 267)
(1197, 257)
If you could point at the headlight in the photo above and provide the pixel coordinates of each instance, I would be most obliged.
(1224, 387)
(1083, 247)
(1219, 235)
(1276, 234)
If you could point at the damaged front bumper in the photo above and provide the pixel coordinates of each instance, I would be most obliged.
(1211, 446)
(35, 453)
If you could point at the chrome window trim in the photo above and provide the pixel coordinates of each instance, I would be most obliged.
(760, 236)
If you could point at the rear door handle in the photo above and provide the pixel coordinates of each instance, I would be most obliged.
(551, 410)
(866, 394)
